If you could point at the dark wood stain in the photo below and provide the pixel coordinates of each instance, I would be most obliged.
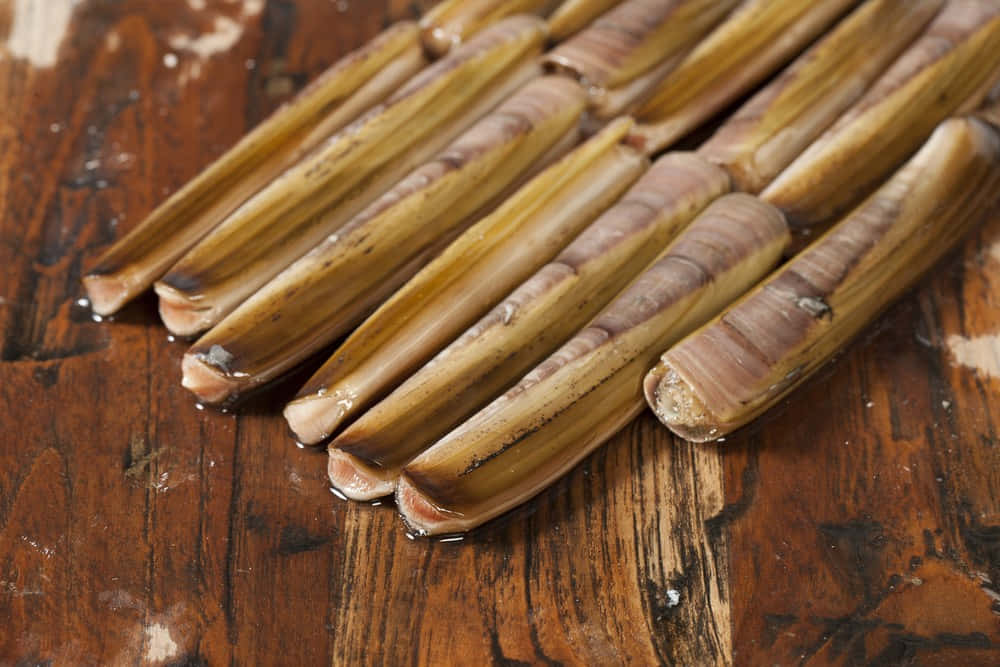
(844, 533)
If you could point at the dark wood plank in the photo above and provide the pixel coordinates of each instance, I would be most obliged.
(136, 529)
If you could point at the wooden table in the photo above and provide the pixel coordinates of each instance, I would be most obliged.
(858, 524)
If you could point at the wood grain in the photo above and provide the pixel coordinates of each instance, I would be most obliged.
(860, 524)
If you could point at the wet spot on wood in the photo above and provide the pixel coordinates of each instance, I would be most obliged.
(296, 540)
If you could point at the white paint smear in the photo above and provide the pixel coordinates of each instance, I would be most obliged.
(981, 353)
(253, 7)
(161, 645)
(225, 35)
(38, 29)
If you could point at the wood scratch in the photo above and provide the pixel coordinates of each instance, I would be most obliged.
(139, 467)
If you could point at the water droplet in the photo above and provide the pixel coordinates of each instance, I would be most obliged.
(83, 302)
(170, 60)
(199, 406)
(97, 318)
(299, 445)
(171, 338)
(451, 538)
(335, 491)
